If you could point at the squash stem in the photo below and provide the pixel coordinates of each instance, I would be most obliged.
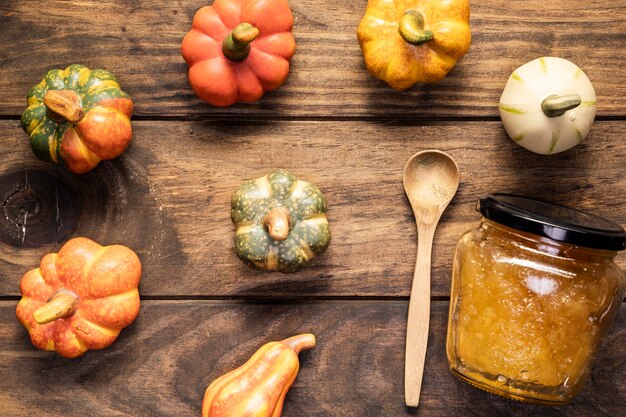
(411, 28)
(63, 303)
(64, 105)
(278, 223)
(300, 342)
(555, 105)
(236, 46)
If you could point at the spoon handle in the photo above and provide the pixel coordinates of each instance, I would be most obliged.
(419, 317)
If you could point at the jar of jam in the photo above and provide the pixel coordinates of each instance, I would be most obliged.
(534, 290)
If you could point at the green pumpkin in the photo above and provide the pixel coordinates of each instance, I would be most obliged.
(78, 117)
(281, 222)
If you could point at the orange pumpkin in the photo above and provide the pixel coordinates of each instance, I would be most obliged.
(239, 49)
(258, 387)
(80, 298)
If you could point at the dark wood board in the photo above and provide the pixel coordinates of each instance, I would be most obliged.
(168, 198)
(139, 41)
(162, 364)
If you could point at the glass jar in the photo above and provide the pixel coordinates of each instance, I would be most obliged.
(534, 290)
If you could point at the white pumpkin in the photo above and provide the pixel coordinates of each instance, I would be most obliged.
(548, 105)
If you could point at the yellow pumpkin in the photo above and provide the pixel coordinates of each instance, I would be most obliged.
(411, 41)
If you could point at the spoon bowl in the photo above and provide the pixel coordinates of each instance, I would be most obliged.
(431, 178)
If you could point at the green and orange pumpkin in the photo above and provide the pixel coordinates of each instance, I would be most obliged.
(77, 117)
(281, 222)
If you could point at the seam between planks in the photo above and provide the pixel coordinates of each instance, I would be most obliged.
(254, 298)
(267, 300)
(250, 118)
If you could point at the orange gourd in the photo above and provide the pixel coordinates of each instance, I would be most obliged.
(239, 49)
(258, 388)
(81, 297)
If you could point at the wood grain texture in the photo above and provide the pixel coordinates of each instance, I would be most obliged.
(168, 198)
(333, 124)
(418, 317)
(161, 365)
(139, 41)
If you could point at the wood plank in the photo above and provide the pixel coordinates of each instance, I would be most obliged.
(139, 41)
(169, 196)
(162, 364)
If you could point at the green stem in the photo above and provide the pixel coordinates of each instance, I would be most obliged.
(412, 28)
(555, 105)
(236, 46)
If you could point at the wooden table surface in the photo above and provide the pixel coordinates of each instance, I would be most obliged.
(168, 197)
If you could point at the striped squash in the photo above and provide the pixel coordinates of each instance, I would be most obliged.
(258, 387)
(78, 117)
(548, 105)
(281, 222)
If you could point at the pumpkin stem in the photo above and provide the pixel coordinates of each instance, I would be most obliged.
(555, 105)
(63, 303)
(300, 342)
(278, 222)
(236, 46)
(412, 28)
(64, 105)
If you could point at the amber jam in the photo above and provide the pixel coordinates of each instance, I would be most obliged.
(528, 311)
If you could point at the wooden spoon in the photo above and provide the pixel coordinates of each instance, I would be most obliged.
(430, 179)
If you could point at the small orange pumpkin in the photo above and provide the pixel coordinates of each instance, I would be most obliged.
(80, 298)
(258, 387)
(239, 49)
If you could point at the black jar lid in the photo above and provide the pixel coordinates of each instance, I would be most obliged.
(556, 222)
